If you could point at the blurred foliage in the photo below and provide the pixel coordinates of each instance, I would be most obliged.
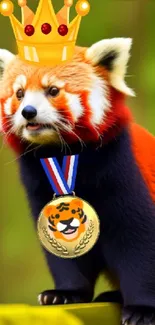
(23, 271)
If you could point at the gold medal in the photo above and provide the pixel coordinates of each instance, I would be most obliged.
(68, 226)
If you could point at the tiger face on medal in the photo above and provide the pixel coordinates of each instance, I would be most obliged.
(68, 226)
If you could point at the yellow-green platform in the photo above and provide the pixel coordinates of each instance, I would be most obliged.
(79, 314)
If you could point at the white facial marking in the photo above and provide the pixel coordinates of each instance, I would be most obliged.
(7, 106)
(46, 113)
(120, 46)
(20, 82)
(98, 100)
(74, 105)
(5, 57)
(44, 81)
(48, 81)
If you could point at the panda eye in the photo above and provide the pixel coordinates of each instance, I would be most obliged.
(53, 91)
(73, 211)
(20, 94)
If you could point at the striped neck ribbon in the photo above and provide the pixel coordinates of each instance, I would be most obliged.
(62, 179)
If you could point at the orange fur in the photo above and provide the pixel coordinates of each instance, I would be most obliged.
(62, 106)
(143, 144)
(76, 74)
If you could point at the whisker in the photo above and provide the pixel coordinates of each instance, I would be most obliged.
(36, 148)
(80, 126)
(61, 139)
(101, 142)
(29, 146)
(65, 143)
(3, 145)
(7, 134)
(80, 140)
(64, 127)
(23, 154)
(6, 124)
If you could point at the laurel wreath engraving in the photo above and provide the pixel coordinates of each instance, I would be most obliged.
(82, 244)
(86, 238)
(54, 243)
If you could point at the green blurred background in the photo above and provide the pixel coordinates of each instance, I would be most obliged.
(23, 270)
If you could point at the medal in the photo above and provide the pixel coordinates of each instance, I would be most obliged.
(67, 226)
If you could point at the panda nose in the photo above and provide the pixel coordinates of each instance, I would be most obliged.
(29, 112)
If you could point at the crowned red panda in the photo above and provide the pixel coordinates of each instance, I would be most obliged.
(79, 107)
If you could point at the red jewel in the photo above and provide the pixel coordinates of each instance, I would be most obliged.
(46, 28)
(63, 30)
(29, 30)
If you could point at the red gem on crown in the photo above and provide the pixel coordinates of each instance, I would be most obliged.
(63, 30)
(29, 30)
(46, 28)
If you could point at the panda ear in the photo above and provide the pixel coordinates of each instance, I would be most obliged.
(113, 55)
(5, 58)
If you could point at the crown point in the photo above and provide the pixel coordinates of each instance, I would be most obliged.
(6, 8)
(82, 7)
(29, 30)
(46, 28)
(68, 3)
(22, 3)
(63, 30)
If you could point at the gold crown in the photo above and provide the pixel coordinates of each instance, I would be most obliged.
(45, 38)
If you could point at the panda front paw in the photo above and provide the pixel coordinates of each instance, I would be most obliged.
(61, 297)
(138, 316)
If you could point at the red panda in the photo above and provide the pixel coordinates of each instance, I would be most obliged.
(80, 107)
(66, 95)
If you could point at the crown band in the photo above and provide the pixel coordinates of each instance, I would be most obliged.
(36, 54)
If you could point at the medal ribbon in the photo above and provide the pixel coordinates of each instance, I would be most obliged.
(62, 179)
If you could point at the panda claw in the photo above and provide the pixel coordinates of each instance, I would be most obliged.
(138, 316)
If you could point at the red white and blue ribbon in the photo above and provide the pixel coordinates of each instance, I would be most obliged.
(62, 179)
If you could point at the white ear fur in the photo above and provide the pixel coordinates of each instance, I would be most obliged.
(118, 50)
(5, 58)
